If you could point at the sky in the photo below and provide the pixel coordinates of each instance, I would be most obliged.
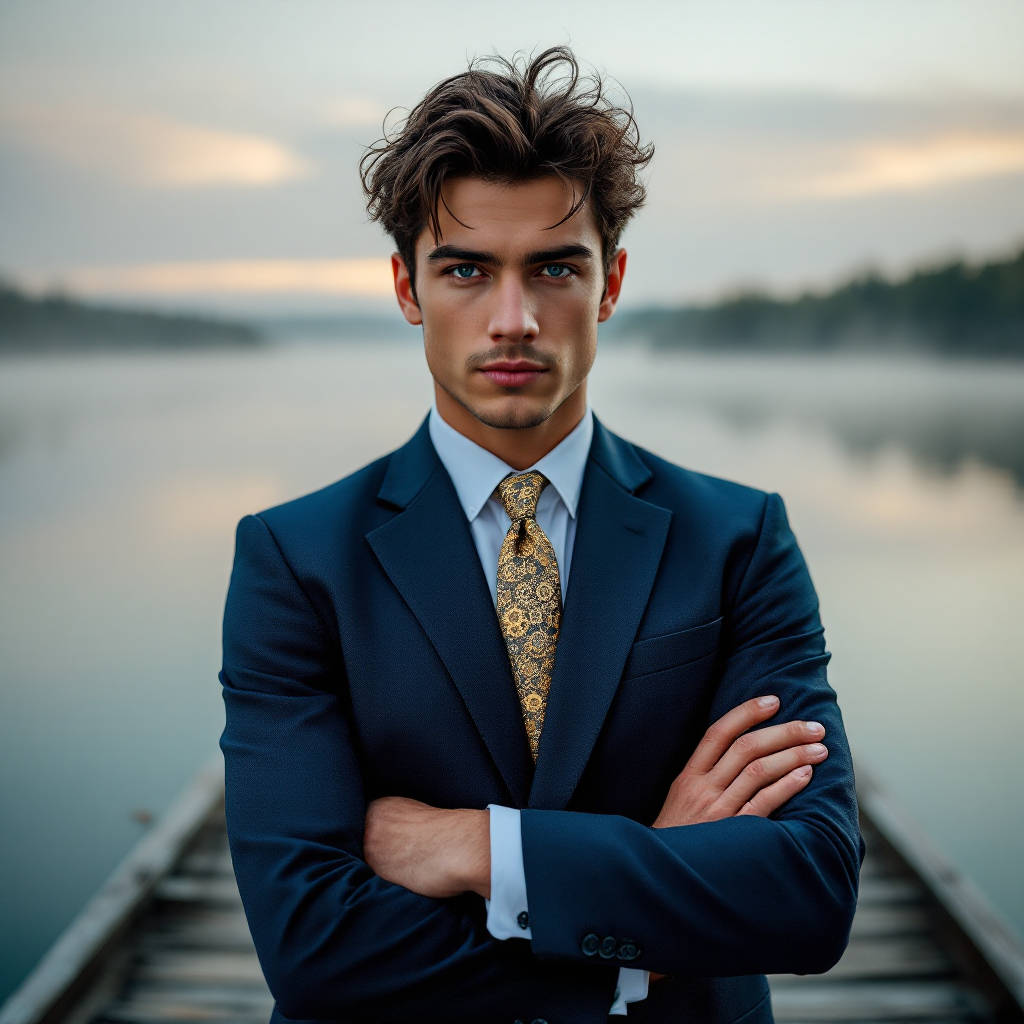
(203, 154)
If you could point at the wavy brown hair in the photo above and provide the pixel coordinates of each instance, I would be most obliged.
(508, 121)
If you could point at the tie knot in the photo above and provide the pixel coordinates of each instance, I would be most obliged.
(520, 493)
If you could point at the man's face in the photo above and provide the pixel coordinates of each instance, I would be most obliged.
(509, 304)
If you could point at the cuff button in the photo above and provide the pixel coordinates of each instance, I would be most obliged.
(609, 947)
(629, 950)
(523, 920)
(590, 945)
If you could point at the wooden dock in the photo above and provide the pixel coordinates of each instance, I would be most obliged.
(165, 941)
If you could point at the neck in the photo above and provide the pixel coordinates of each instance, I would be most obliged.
(520, 448)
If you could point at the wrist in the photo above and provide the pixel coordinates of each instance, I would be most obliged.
(472, 862)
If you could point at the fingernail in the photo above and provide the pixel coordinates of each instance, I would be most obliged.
(816, 728)
(804, 773)
(767, 702)
(814, 749)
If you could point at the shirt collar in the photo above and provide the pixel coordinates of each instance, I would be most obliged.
(475, 472)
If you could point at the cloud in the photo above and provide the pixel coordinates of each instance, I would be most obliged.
(354, 112)
(205, 508)
(356, 277)
(737, 170)
(150, 150)
(874, 168)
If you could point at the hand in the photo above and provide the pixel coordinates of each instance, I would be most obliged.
(735, 772)
(431, 851)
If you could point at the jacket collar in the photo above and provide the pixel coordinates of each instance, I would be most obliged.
(618, 459)
(409, 469)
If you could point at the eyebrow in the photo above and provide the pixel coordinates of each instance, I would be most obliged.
(454, 252)
(564, 252)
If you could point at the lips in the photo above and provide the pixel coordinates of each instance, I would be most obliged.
(513, 374)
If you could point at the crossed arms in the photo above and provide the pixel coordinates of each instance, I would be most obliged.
(439, 852)
(715, 889)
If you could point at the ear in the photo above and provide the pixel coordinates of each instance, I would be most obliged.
(404, 291)
(613, 287)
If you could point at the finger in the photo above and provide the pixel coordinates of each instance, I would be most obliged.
(766, 771)
(771, 798)
(759, 743)
(734, 723)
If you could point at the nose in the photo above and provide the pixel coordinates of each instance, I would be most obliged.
(513, 319)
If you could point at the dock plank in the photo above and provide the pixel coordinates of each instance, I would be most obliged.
(900, 957)
(199, 889)
(880, 921)
(825, 1000)
(891, 890)
(201, 928)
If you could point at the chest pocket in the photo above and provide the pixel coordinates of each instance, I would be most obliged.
(673, 650)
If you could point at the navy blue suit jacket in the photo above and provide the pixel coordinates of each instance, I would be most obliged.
(362, 658)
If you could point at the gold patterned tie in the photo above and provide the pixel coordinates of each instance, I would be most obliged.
(529, 599)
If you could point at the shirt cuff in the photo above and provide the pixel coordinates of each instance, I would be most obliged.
(632, 988)
(508, 916)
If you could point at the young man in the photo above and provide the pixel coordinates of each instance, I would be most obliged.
(491, 701)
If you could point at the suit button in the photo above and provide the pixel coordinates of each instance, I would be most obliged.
(590, 944)
(539, 1020)
(523, 920)
(629, 950)
(609, 945)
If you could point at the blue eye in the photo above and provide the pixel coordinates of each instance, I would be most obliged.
(464, 270)
(557, 270)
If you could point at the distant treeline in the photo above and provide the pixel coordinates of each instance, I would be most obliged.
(55, 323)
(956, 309)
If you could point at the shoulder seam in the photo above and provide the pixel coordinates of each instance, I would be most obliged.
(760, 536)
(302, 590)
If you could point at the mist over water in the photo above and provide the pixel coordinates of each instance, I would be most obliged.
(122, 477)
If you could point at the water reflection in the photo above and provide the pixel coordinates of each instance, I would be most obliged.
(942, 413)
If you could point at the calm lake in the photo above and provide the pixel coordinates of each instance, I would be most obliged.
(122, 477)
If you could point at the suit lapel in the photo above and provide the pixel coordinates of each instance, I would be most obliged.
(618, 548)
(428, 553)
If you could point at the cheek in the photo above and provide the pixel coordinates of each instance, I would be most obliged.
(580, 347)
(572, 316)
(447, 342)
(583, 357)
(438, 354)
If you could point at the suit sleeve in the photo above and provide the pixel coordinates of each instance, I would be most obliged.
(335, 941)
(739, 896)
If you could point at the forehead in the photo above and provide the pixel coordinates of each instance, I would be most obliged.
(517, 217)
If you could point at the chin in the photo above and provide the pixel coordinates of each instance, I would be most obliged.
(512, 415)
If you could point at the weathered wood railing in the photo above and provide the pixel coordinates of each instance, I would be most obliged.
(53, 990)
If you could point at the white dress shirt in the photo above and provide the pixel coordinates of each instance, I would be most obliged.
(476, 473)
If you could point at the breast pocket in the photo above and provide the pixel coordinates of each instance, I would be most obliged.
(673, 650)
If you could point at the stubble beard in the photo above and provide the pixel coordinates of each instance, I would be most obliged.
(510, 418)
(514, 419)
